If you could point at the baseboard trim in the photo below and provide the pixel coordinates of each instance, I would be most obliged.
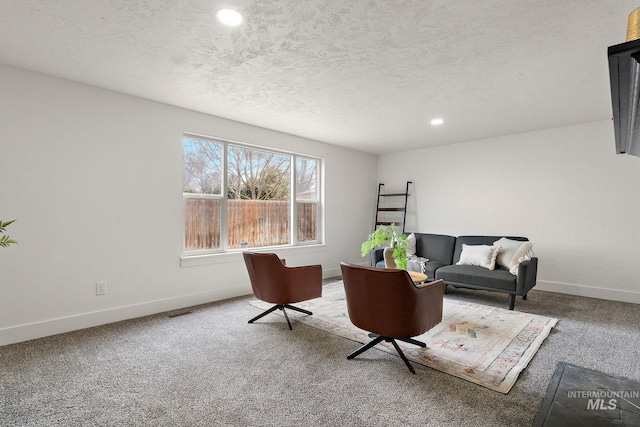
(331, 272)
(589, 291)
(30, 331)
(45, 328)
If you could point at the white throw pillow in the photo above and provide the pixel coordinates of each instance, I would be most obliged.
(512, 253)
(480, 255)
(411, 245)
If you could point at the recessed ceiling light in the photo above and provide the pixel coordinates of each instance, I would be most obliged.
(437, 122)
(229, 17)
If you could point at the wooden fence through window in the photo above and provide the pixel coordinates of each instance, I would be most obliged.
(254, 222)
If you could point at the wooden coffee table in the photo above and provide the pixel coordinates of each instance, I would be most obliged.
(417, 277)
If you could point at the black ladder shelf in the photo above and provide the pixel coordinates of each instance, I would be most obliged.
(402, 208)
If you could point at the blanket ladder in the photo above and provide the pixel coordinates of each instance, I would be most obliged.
(396, 210)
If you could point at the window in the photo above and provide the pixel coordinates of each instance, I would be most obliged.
(202, 190)
(307, 199)
(269, 199)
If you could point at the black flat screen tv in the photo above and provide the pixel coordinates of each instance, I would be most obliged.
(624, 74)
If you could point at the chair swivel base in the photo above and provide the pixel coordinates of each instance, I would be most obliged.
(379, 338)
(281, 307)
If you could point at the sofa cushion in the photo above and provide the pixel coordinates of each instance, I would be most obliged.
(411, 245)
(431, 267)
(473, 275)
(435, 247)
(512, 253)
(477, 240)
(480, 255)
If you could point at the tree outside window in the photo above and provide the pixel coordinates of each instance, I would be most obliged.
(202, 193)
(258, 189)
(256, 205)
(307, 200)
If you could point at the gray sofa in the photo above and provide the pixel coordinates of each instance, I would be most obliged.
(443, 253)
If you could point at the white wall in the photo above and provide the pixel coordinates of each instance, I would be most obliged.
(94, 180)
(563, 188)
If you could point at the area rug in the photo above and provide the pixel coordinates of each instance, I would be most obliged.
(485, 345)
(580, 396)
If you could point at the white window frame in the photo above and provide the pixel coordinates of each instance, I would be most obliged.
(195, 257)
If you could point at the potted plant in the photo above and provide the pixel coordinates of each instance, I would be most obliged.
(396, 241)
(5, 240)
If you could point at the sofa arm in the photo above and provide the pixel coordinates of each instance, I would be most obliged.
(376, 255)
(527, 276)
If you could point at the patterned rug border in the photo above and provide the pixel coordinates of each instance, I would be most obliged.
(513, 359)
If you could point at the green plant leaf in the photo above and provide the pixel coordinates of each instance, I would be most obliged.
(383, 236)
(6, 240)
(377, 239)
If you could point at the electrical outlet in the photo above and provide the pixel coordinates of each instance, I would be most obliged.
(101, 288)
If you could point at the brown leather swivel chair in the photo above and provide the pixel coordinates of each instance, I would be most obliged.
(388, 304)
(272, 281)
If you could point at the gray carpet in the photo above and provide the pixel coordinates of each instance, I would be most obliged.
(211, 368)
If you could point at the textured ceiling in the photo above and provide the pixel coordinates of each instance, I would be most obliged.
(365, 74)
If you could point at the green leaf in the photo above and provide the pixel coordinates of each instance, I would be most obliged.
(378, 238)
(383, 236)
(4, 224)
(6, 240)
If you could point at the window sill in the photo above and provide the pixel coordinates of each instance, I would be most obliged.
(236, 256)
